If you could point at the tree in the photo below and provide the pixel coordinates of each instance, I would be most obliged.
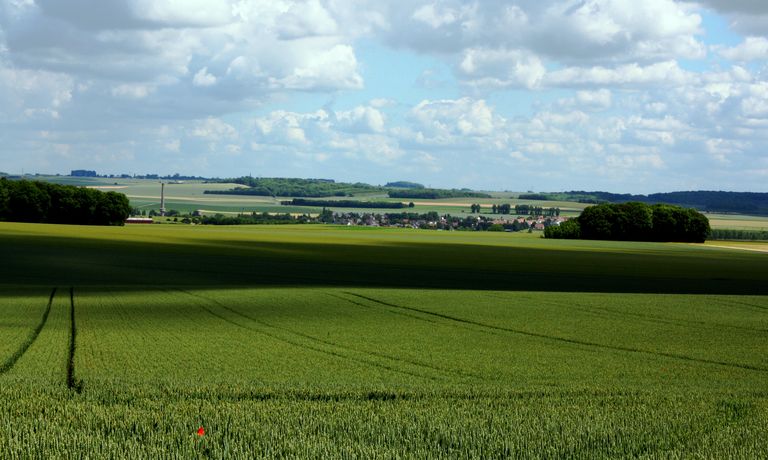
(4, 198)
(569, 229)
(113, 209)
(635, 221)
(27, 202)
(326, 216)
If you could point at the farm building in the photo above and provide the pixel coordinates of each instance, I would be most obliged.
(139, 220)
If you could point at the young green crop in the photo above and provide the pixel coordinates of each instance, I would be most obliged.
(175, 330)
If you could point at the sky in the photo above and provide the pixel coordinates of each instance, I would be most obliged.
(519, 95)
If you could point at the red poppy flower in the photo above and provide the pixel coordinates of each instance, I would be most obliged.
(200, 431)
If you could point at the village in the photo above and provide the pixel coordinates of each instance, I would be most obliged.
(434, 221)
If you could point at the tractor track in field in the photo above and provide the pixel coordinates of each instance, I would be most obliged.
(297, 343)
(555, 338)
(360, 304)
(609, 313)
(72, 382)
(10, 362)
(749, 306)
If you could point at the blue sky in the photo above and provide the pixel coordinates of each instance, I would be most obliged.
(614, 95)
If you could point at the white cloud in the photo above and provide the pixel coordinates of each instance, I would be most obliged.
(633, 162)
(667, 72)
(333, 68)
(290, 128)
(501, 68)
(435, 17)
(132, 91)
(26, 93)
(752, 48)
(361, 119)
(305, 18)
(721, 149)
(599, 99)
(755, 105)
(203, 78)
(214, 129)
(460, 117)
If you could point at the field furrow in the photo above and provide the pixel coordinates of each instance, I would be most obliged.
(309, 343)
(561, 339)
(8, 364)
(295, 337)
(44, 362)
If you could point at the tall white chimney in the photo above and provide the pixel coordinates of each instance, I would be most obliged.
(162, 198)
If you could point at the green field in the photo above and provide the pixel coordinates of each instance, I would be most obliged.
(189, 196)
(318, 341)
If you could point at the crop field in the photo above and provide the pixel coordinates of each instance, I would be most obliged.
(189, 196)
(738, 222)
(322, 341)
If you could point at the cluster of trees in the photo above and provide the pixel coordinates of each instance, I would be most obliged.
(82, 173)
(403, 184)
(635, 221)
(254, 218)
(34, 201)
(347, 204)
(501, 208)
(520, 210)
(435, 193)
(748, 235)
(535, 196)
(527, 209)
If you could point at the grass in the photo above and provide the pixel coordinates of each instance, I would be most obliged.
(310, 341)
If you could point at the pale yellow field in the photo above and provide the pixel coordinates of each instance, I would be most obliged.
(758, 246)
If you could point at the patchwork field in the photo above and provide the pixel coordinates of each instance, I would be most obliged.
(325, 341)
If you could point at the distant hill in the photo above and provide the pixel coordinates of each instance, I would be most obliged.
(705, 200)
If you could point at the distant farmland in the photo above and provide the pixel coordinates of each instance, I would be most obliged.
(325, 341)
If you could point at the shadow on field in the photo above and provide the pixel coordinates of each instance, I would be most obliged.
(59, 261)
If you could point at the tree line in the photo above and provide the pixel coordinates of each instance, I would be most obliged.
(254, 218)
(435, 193)
(634, 221)
(520, 210)
(280, 186)
(43, 202)
(347, 204)
(746, 235)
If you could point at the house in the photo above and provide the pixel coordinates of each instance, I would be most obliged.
(139, 220)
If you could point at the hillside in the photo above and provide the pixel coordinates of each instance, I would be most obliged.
(703, 200)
